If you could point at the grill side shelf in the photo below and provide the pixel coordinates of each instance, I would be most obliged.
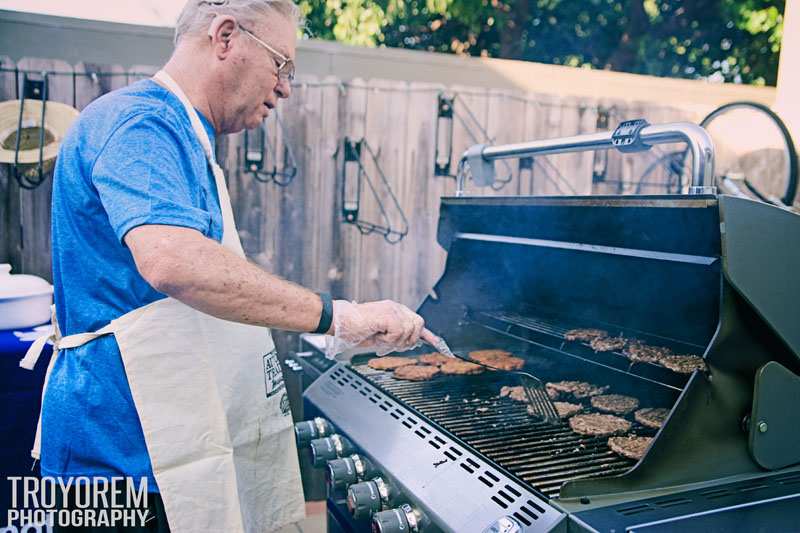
(458, 489)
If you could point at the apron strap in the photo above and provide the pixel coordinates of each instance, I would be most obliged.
(230, 236)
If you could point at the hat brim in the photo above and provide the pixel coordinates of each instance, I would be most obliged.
(58, 118)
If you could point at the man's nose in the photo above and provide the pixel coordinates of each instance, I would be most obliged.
(283, 88)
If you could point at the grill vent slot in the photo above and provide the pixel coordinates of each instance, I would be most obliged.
(535, 506)
(491, 476)
(530, 513)
(458, 453)
(717, 493)
(407, 424)
(466, 467)
(505, 496)
(666, 504)
(635, 509)
(522, 519)
(483, 479)
(789, 479)
(472, 462)
(434, 444)
(499, 502)
(449, 455)
(513, 491)
(419, 434)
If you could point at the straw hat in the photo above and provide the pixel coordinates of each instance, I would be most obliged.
(58, 118)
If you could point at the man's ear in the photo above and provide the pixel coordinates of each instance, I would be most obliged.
(221, 32)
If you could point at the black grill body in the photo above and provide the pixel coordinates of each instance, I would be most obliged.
(700, 275)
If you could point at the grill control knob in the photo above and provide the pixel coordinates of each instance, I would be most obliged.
(368, 497)
(345, 471)
(309, 430)
(400, 520)
(323, 450)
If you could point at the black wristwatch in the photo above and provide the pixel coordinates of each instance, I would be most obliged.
(326, 318)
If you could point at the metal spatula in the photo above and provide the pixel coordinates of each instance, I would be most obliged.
(539, 403)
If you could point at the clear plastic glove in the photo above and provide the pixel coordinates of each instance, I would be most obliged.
(384, 326)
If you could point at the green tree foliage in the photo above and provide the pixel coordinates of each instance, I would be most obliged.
(722, 40)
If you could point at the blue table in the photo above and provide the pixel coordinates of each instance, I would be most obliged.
(20, 397)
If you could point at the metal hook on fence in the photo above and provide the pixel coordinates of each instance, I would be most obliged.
(447, 111)
(254, 159)
(31, 90)
(353, 175)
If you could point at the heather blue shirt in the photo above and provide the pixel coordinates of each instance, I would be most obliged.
(130, 159)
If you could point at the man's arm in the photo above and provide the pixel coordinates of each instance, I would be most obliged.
(198, 271)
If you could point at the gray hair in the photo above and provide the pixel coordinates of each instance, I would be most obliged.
(197, 15)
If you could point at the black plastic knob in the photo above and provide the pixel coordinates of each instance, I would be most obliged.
(333, 447)
(391, 521)
(364, 499)
(400, 520)
(345, 471)
(309, 430)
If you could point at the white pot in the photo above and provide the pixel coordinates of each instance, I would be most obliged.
(24, 300)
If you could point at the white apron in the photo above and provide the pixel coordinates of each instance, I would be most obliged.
(211, 400)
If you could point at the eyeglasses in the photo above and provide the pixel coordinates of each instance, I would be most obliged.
(284, 64)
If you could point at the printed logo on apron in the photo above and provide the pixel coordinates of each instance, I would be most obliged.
(273, 377)
(285, 408)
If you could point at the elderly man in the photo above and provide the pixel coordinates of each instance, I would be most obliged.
(165, 370)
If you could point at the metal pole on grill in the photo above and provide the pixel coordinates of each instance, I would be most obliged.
(630, 136)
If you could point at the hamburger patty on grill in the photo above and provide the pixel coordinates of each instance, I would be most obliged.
(564, 409)
(642, 353)
(390, 362)
(630, 446)
(596, 424)
(434, 358)
(578, 389)
(416, 372)
(683, 364)
(516, 393)
(608, 344)
(615, 403)
(652, 417)
(499, 359)
(585, 335)
(460, 368)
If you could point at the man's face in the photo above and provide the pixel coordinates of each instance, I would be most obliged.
(250, 85)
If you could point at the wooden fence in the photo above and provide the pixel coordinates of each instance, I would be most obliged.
(297, 230)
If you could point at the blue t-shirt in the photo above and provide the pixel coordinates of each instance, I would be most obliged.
(130, 159)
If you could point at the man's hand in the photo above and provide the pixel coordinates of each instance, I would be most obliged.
(384, 326)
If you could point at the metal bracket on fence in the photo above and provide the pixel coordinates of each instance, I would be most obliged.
(353, 175)
(255, 157)
(697, 139)
(448, 109)
(31, 90)
(600, 160)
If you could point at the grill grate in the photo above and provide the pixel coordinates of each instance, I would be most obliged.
(469, 407)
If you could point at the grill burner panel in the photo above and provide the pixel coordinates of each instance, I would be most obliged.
(469, 407)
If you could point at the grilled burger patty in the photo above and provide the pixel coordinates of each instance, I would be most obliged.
(615, 403)
(499, 359)
(608, 344)
(390, 362)
(515, 393)
(585, 335)
(643, 353)
(416, 372)
(578, 389)
(434, 358)
(460, 368)
(683, 364)
(630, 446)
(596, 424)
(652, 417)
